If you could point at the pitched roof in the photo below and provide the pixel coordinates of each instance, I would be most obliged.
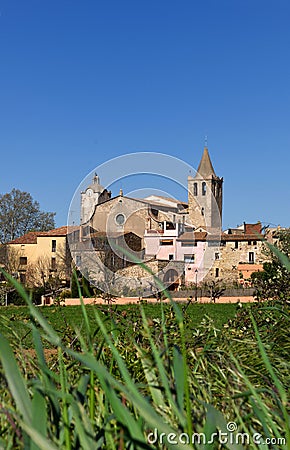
(193, 236)
(31, 236)
(205, 168)
(28, 238)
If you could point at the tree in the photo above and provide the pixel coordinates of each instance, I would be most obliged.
(41, 274)
(10, 259)
(19, 213)
(274, 281)
(214, 290)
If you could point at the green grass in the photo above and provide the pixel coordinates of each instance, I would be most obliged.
(119, 372)
(15, 320)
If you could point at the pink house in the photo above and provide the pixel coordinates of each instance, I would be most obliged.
(174, 244)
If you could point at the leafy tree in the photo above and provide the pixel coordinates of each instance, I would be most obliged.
(274, 281)
(19, 213)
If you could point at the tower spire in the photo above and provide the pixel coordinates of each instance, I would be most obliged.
(205, 168)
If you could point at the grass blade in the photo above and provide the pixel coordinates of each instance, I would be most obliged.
(15, 381)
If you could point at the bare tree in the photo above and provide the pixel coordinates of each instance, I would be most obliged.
(214, 290)
(41, 273)
(10, 259)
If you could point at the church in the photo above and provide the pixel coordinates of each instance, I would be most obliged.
(203, 209)
(181, 242)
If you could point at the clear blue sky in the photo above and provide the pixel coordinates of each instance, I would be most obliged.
(85, 81)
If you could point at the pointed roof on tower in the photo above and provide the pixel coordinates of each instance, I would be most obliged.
(205, 168)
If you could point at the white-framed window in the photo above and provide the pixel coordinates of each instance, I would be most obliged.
(251, 257)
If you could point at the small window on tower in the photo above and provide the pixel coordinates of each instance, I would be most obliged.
(202, 211)
(204, 188)
(195, 189)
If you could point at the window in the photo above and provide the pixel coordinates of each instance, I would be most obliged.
(195, 189)
(216, 256)
(251, 257)
(167, 242)
(53, 245)
(202, 211)
(189, 244)
(189, 258)
(249, 242)
(213, 243)
(76, 236)
(170, 226)
(22, 278)
(78, 260)
(237, 244)
(203, 188)
(217, 272)
(120, 219)
(170, 257)
(23, 260)
(53, 263)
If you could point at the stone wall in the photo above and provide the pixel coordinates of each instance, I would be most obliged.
(231, 257)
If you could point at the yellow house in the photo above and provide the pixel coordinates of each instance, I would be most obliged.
(39, 256)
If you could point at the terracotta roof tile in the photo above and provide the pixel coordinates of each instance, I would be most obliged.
(31, 237)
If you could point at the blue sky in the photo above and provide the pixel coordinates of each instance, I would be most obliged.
(83, 82)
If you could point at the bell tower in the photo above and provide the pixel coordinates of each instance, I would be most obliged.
(205, 195)
(92, 196)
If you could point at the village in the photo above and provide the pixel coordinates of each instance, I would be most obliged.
(181, 243)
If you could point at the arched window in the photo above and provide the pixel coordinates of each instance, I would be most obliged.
(202, 211)
(204, 188)
(195, 189)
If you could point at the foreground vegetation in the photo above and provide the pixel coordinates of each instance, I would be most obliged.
(103, 384)
(15, 322)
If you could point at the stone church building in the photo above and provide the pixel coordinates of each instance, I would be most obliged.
(182, 242)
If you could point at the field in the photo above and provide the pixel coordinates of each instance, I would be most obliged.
(206, 376)
(15, 321)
